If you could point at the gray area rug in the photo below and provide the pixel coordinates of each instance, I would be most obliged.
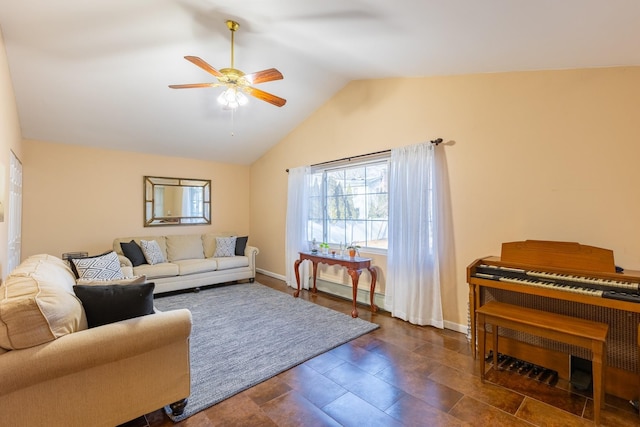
(244, 334)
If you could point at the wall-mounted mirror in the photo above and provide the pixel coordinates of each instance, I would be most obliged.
(176, 201)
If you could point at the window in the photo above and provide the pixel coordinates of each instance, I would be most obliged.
(349, 204)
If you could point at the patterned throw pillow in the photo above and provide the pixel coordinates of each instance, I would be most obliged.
(225, 246)
(152, 252)
(99, 267)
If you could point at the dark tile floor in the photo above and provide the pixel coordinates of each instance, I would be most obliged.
(399, 375)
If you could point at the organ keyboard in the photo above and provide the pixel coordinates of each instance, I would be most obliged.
(571, 279)
(597, 287)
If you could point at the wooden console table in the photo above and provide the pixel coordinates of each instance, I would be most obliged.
(353, 265)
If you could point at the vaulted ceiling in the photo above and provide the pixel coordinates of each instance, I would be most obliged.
(97, 73)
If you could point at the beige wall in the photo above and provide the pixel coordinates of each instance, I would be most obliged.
(546, 155)
(10, 140)
(80, 199)
(531, 155)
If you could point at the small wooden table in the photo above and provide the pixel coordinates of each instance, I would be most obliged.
(353, 265)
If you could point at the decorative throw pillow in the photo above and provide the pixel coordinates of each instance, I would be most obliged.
(105, 267)
(113, 303)
(225, 246)
(134, 280)
(241, 244)
(132, 251)
(152, 252)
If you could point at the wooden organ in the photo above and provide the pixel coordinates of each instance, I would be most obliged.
(570, 279)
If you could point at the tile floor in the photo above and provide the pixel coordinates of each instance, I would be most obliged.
(399, 375)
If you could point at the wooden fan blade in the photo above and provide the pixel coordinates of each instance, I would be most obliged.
(202, 64)
(265, 96)
(264, 76)
(193, 85)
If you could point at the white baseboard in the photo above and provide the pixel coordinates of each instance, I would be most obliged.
(455, 327)
(335, 289)
(344, 291)
(270, 274)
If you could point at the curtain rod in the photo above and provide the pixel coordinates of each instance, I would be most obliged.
(437, 142)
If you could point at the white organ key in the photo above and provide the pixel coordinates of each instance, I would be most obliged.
(579, 279)
(560, 287)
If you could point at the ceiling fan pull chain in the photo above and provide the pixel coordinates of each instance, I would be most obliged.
(233, 115)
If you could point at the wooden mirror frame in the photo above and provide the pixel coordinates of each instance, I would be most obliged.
(171, 211)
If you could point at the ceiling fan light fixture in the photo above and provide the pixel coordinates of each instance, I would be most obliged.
(231, 98)
(241, 98)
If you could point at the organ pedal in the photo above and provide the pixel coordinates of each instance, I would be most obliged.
(523, 368)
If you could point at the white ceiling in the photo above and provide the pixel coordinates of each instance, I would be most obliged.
(96, 72)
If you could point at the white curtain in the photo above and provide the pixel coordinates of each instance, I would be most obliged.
(187, 204)
(413, 273)
(296, 226)
(188, 194)
(14, 213)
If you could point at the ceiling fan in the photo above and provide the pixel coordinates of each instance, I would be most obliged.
(236, 82)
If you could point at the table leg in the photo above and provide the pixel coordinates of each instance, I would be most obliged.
(315, 271)
(481, 344)
(472, 317)
(355, 277)
(374, 276)
(295, 269)
(599, 363)
(494, 331)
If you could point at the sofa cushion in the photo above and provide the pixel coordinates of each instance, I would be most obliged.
(127, 271)
(104, 266)
(225, 263)
(209, 244)
(241, 245)
(225, 246)
(105, 304)
(133, 252)
(37, 303)
(152, 252)
(192, 266)
(166, 269)
(184, 246)
(26, 266)
(135, 280)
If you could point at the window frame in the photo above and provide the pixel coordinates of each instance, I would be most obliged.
(344, 166)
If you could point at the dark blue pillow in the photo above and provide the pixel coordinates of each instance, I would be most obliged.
(134, 252)
(105, 304)
(241, 244)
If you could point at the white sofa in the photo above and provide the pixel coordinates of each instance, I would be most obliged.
(190, 262)
(54, 371)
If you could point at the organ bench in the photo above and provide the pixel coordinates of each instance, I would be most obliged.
(570, 330)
